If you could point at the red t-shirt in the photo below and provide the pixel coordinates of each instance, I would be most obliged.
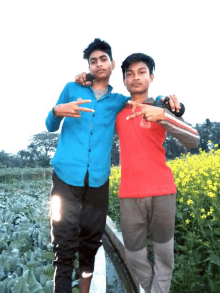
(144, 171)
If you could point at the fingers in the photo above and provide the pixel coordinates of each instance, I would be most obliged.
(174, 104)
(85, 109)
(87, 83)
(133, 103)
(80, 101)
(81, 79)
(76, 115)
(135, 115)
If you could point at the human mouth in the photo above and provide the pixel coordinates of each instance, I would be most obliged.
(100, 70)
(136, 84)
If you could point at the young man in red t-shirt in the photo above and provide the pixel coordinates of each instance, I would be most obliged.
(147, 190)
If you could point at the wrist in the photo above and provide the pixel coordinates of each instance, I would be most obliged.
(56, 111)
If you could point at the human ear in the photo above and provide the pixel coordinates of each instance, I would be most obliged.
(113, 65)
(151, 77)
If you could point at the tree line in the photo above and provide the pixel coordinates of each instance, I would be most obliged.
(43, 145)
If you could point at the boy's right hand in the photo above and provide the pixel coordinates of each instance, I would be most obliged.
(71, 109)
(81, 79)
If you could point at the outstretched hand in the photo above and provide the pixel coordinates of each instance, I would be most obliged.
(150, 113)
(72, 109)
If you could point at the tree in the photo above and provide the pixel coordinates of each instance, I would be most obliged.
(45, 142)
(42, 144)
(9, 160)
(173, 147)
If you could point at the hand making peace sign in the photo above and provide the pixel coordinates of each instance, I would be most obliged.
(72, 109)
(150, 113)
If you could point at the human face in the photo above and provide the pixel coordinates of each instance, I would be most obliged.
(138, 78)
(100, 65)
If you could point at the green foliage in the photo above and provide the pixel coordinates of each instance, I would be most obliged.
(25, 252)
(10, 175)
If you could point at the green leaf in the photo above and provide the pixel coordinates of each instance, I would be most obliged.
(21, 286)
(215, 259)
(196, 256)
(16, 244)
(2, 288)
(34, 286)
(49, 287)
(48, 255)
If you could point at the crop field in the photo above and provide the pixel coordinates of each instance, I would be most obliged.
(25, 251)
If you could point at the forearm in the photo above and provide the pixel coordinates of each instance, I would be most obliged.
(53, 119)
(53, 122)
(184, 133)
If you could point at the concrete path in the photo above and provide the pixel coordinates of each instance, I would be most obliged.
(98, 284)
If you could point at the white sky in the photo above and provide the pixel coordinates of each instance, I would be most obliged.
(42, 43)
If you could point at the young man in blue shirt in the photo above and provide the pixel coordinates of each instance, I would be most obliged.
(79, 194)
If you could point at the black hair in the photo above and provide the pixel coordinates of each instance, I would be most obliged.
(138, 57)
(97, 44)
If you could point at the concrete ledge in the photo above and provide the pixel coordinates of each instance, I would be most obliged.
(98, 284)
(117, 239)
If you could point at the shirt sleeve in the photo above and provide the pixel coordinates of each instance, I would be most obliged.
(122, 101)
(178, 128)
(53, 122)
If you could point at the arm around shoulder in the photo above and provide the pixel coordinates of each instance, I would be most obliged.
(178, 128)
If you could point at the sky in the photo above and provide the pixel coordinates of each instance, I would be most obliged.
(42, 45)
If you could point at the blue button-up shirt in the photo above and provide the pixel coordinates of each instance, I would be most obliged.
(85, 143)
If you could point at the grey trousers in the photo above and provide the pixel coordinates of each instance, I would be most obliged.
(154, 217)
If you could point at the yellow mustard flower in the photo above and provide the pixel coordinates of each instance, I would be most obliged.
(189, 201)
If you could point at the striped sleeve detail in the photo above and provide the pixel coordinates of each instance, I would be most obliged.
(186, 135)
(174, 120)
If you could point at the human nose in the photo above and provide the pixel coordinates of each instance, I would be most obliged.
(99, 63)
(136, 76)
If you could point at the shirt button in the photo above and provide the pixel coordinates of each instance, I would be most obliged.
(91, 133)
(89, 150)
(93, 115)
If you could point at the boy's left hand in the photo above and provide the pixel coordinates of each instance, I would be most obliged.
(150, 113)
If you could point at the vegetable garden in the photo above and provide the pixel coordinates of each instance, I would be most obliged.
(25, 251)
